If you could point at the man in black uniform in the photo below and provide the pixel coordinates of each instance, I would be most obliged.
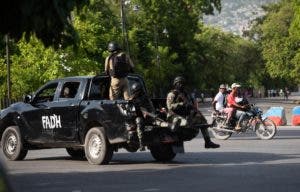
(143, 104)
(181, 106)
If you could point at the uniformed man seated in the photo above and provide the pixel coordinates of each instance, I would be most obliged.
(181, 107)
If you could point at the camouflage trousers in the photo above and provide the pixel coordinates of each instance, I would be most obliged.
(190, 120)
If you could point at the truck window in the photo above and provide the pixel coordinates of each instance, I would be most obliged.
(100, 89)
(46, 94)
(69, 90)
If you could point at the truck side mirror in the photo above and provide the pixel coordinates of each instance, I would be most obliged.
(27, 98)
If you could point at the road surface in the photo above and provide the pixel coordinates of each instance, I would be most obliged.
(243, 163)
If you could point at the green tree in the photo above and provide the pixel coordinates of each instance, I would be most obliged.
(278, 35)
(33, 64)
(204, 55)
(164, 55)
(226, 58)
(96, 25)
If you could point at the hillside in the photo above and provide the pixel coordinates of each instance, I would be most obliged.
(237, 14)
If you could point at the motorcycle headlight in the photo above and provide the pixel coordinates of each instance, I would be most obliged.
(258, 110)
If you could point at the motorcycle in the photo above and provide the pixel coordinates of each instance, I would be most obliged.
(264, 127)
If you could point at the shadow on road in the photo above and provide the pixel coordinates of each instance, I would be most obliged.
(204, 158)
(207, 171)
(186, 159)
(62, 158)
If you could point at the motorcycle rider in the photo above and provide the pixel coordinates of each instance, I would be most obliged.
(231, 102)
(219, 104)
(142, 103)
(180, 105)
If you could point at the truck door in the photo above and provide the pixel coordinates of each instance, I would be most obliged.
(36, 119)
(66, 109)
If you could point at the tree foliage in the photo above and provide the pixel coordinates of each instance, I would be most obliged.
(226, 58)
(279, 38)
(166, 39)
(162, 32)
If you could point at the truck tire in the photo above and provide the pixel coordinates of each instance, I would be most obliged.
(162, 152)
(12, 144)
(76, 153)
(98, 150)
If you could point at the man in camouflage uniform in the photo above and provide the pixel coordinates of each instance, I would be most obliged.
(181, 106)
(119, 84)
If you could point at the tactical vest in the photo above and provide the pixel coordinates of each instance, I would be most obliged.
(182, 97)
(119, 68)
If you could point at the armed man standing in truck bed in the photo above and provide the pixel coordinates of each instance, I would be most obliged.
(117, 66)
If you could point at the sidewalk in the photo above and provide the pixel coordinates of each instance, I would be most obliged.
(288, 105)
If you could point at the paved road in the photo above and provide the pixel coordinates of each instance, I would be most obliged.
(244, 163)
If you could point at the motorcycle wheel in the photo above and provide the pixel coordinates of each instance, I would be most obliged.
(266, 129)
(221, 135)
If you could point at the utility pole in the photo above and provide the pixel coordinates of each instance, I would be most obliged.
(124, 29)
(158, 62)
(8, 69)
(157, 59)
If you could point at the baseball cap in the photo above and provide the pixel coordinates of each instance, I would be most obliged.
(235, 85)
(222, 86)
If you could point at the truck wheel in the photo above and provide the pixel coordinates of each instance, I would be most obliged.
(76, 153)
(12, 144)
(162, 152)
(97, 148)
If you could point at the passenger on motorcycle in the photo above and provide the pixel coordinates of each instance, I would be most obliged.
(219, 104)
(231, 102)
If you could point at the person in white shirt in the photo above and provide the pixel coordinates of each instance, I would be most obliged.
(219, 104)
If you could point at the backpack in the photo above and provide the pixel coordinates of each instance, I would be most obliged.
(119, 65)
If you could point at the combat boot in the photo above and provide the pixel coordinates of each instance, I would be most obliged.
(208, 142)
(211, 144)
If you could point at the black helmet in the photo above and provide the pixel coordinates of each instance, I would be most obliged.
(136, 89)
(179, 79)
(113, 46)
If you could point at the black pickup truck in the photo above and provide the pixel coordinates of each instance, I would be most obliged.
(85, 122)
